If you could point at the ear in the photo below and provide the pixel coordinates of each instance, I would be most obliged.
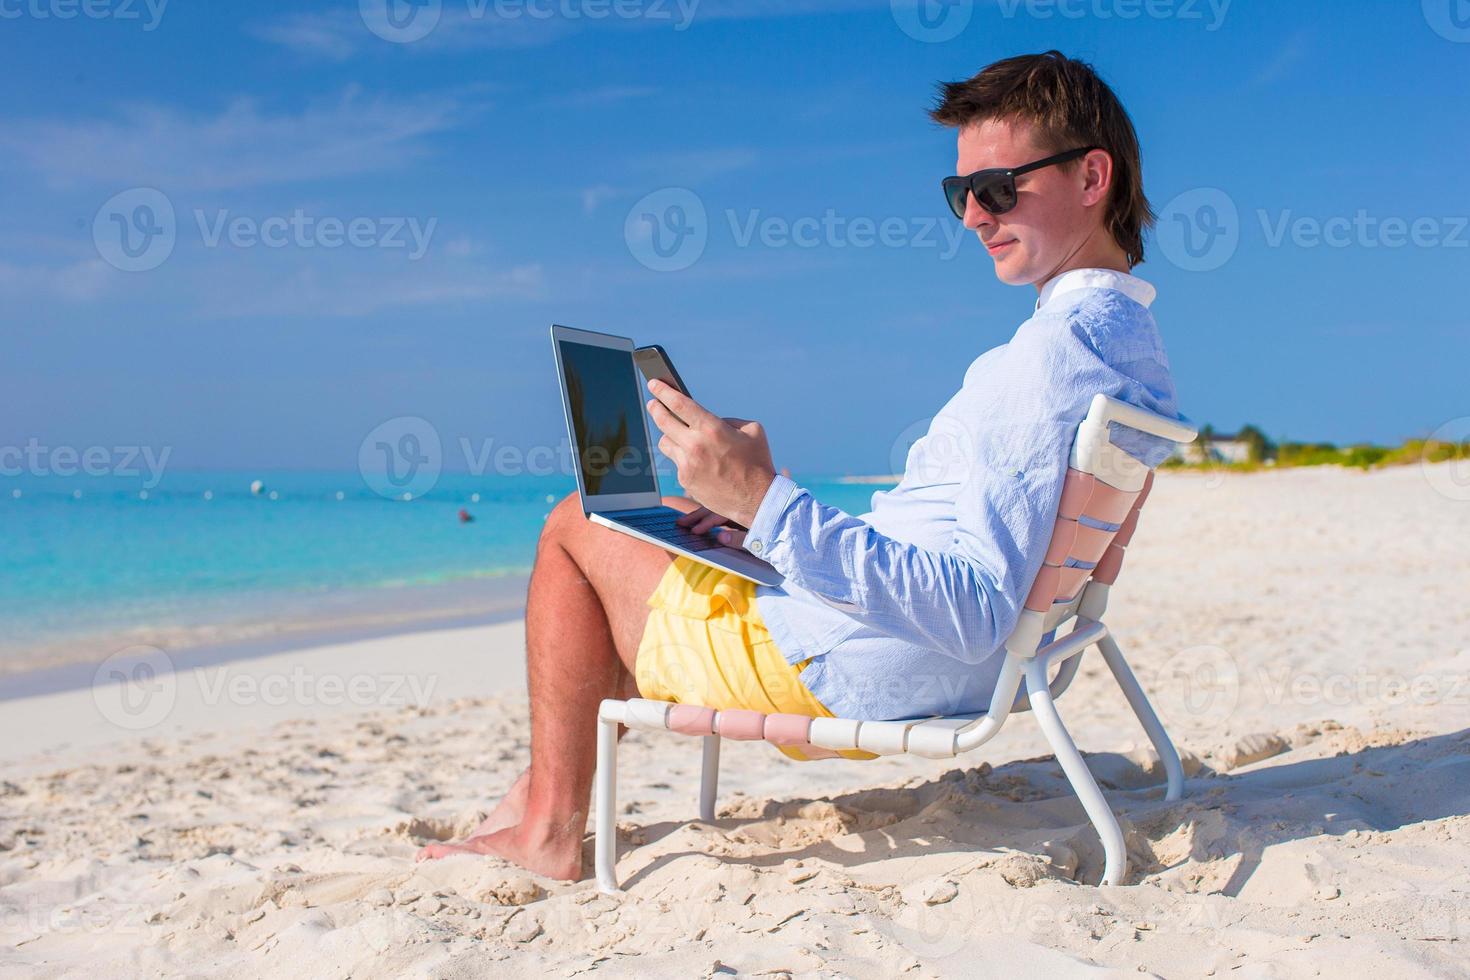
(1097, 177)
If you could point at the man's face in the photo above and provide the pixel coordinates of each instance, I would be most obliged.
(1052, 219)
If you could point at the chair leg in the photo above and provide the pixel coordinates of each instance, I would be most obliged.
(1133, 691)
(605, 849)
(1115, 853)
(709, 778)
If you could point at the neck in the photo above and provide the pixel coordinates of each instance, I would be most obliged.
(1097, 251)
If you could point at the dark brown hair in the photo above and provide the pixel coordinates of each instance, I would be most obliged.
(1070, 106)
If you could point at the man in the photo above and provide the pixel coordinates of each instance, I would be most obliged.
(903, 611)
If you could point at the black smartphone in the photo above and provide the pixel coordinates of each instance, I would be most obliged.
(654, 362)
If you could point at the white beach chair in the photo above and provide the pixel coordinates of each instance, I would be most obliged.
(1103, 484)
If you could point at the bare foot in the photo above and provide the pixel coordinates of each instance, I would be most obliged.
(556, 856)
(508, 811)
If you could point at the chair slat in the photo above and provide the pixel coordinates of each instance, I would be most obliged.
(741, 725)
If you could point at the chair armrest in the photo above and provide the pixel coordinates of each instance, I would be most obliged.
(1104, 410)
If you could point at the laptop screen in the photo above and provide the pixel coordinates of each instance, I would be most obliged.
(607, 416)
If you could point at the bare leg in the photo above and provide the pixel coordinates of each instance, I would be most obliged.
(585, 614)
(512, 807)
(509, 810)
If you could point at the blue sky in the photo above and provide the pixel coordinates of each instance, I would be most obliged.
(496, 171)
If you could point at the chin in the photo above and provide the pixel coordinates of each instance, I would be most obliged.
(1013, 273)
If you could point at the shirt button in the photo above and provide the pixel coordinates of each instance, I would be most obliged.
(756, 546)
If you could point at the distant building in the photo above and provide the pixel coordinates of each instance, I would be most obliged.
(1215, 448)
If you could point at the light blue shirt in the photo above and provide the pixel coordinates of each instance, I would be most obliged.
(903, 611)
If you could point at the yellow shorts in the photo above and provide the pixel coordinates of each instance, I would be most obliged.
(706, 644)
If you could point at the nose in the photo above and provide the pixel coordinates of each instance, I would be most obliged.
(976, 217)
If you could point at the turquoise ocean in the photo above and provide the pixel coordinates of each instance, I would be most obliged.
(92, 564)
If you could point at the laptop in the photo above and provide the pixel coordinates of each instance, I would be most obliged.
(616, 476)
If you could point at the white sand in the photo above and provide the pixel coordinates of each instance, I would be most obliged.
(1311, 621)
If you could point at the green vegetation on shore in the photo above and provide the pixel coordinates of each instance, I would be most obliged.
(1261, 452)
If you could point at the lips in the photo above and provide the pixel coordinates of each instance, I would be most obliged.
(995, 248)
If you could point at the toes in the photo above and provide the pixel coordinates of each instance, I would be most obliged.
(435, 851)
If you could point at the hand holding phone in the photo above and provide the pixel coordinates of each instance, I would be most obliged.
(654, 362)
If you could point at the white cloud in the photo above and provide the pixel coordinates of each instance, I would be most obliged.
(339, 34)
(1282, 63)
(696, 166)
(476, 24)
(310, 35)
(592, 197)
(242, 146)
(306, 292)
(79, 281)
(606, 95)
(462, 247)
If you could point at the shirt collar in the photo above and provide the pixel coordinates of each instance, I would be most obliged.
(1131, 286)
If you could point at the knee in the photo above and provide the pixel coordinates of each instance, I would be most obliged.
(565, 518)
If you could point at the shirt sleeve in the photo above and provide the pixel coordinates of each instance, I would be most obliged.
(964, 600)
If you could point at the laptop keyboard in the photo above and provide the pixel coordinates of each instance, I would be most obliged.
(660, 524)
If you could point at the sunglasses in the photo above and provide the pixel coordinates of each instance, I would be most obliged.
(995, 189)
